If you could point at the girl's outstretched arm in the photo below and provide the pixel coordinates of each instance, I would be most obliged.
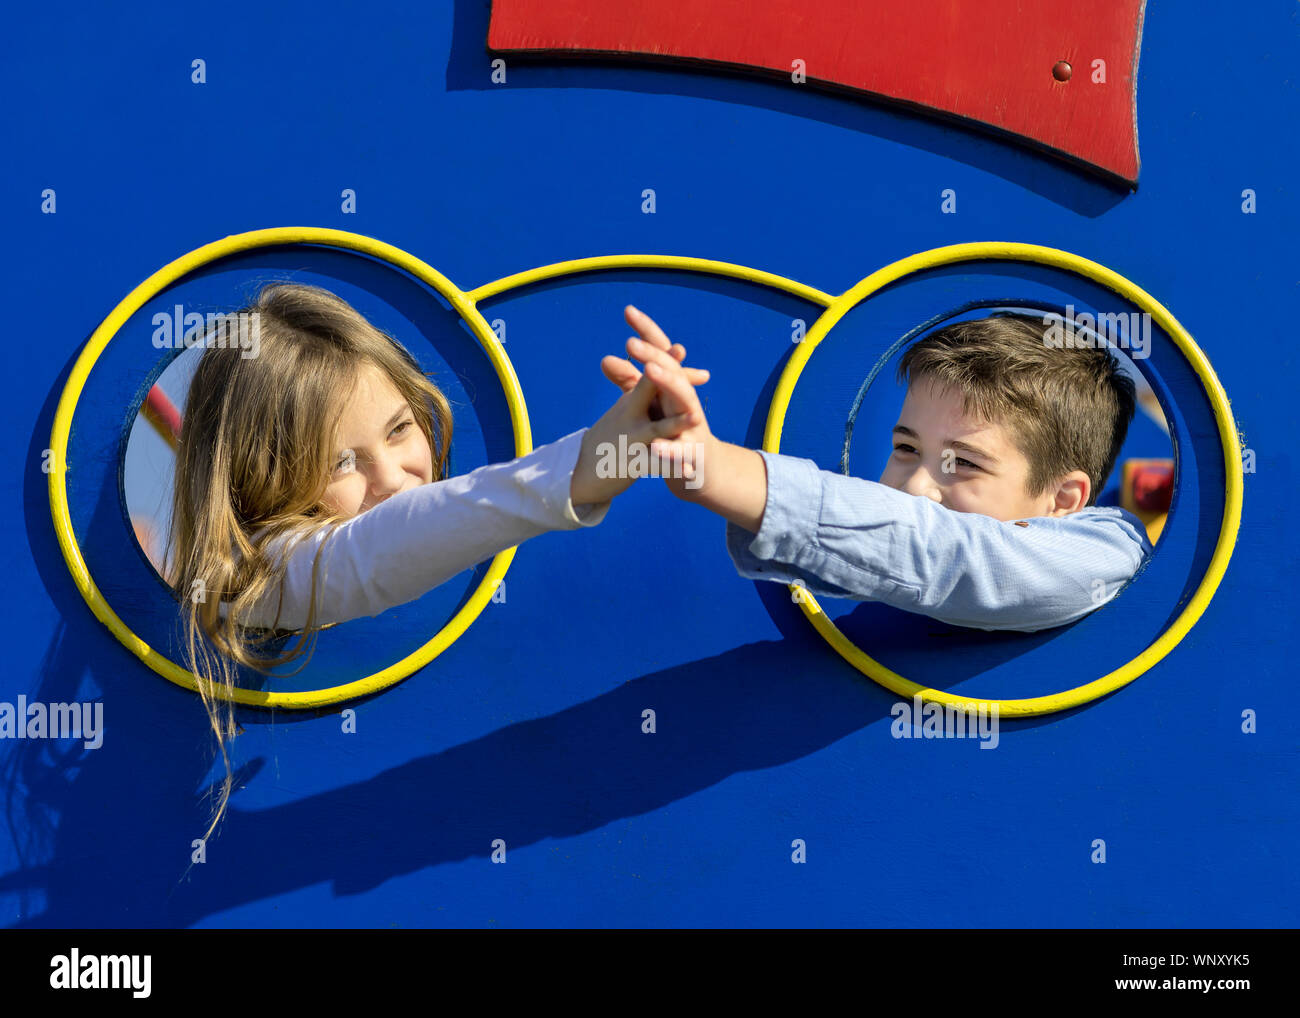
(418, 539)
(414, 541)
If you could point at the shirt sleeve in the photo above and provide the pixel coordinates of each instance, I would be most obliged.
(852, 538)
(413, 541)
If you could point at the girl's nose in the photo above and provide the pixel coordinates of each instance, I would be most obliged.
(388, 477)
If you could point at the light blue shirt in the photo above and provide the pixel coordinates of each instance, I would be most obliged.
(852, 538)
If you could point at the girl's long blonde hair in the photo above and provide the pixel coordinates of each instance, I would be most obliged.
(255, 456)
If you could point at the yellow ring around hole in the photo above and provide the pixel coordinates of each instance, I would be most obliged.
(1228, 436)
(464, 305)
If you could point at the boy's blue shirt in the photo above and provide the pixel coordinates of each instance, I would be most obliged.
(853, 538)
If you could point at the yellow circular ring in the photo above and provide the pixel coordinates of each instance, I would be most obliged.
(150, 288)
(1005, 251)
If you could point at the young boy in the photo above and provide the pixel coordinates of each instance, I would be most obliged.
(984, 515)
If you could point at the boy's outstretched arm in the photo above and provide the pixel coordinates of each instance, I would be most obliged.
(853, 538)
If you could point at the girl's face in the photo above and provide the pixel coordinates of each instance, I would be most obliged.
(380, 451)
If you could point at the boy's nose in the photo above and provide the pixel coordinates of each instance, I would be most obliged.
(922, 483)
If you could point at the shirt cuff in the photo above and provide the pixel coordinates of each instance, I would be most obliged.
(584, 514)
(790, 515)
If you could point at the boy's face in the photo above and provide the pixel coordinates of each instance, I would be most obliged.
(381, 451)
(967, 464)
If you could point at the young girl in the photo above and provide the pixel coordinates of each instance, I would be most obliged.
(310, 487)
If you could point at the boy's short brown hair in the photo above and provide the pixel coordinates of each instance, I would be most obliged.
(1066, 408)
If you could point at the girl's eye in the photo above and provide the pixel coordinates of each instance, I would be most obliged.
(348, 462)
(903, 448)
(968, 463)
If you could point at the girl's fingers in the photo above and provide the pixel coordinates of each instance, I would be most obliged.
(676, 350)
(648, 352)
(671, 427)
(675, 384)
(620, 371)
(642, 395)
(696, 376)
(646, 327)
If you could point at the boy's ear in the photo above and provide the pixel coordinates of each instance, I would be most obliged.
(1071, 493)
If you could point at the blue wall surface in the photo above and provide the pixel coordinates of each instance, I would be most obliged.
(528, 729)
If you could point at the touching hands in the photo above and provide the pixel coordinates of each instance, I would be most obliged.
(625, 375)
(682, 455)
(661, 409)
(638, 418)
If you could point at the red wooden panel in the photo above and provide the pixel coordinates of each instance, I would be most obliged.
(988, 61)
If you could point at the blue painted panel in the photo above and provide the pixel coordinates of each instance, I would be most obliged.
(528, 728)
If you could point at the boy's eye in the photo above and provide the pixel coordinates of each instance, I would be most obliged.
(904, 447)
